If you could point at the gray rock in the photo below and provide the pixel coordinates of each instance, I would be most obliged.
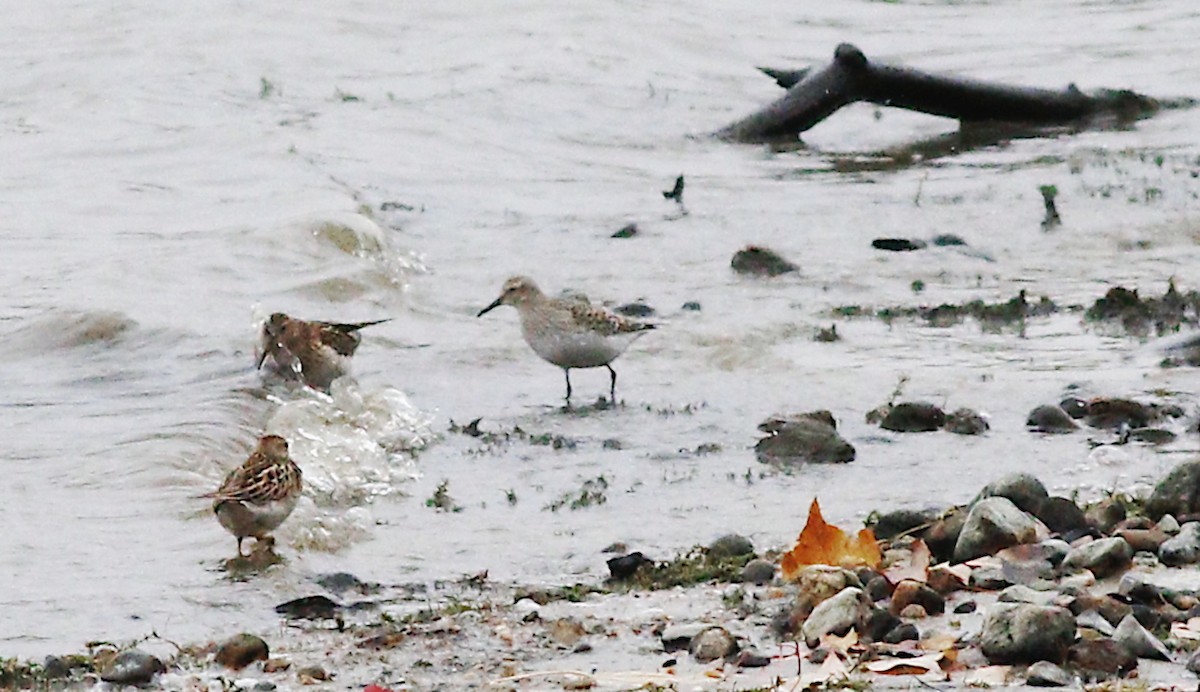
(849, 609)
(1105, 515)
(1193, 663)
(1178, 493)
(758, 571)
(1138, 641)
(891, 524)
(712, 644)
(992, 524)
(1104, 557)
(1023, 489)
(1055, 550)
(816, 583)
(730, 545)
(802, 438)
(913, 416)
(965, 421)
(241, 650)
(1093, 620)
(1168, 524)
(678, 637)
(1100, 659)
(1024, 633)
(1182, 549)
(755, 260)
(1046, 674)
(1050, 419)
(1061, 515)
(132, 667)
(1019, 593)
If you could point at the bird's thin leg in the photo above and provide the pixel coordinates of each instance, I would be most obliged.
(240, 539)
(612, 388)
(567, 372)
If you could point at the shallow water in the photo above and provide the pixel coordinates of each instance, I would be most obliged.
(171, 179)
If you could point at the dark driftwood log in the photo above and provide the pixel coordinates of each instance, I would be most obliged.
(814, 94)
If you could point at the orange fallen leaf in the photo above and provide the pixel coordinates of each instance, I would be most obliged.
(917, 567)
(824, 544)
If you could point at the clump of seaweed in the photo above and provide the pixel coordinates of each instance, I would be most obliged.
(1145, 316)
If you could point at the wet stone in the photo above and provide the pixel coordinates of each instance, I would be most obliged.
(1178, 493)
(310, 674)
(241, 650)
(1110, 414)
(965, 421)
(1182, 549)
(803, 438)
(879, 623)
(878, 588)
(912, 592)
(905, 632)
(1138, 641)
(1193, 663)
(754, 260)
(992, 524)
(1149, 540)
(341, 582)
(1090, 619)
(913, 416)
(1105, 515)
(891, 524)
(132, 667)
(1023, 633)
(752, 659)
(310, 608)
(898, 244)
(1050, 419)
(677, 637)
(1104, 557)
(1046, 674)
(626, 566)
(758, 571)
(712, 644)
(943, 535)
(1022, 489)
(730, 545)
(1100, 659)
(1061, 515)
(1019, 593)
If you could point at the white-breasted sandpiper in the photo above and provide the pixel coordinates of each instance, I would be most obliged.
(569, 332)
(317, 353)
(258, 496)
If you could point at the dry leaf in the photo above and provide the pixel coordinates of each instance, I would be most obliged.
(988, 676)
(907, 666)
(832, 668)
(842, 645)
(917, 567)
(824, 544)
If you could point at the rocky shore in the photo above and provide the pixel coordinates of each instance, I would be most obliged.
(1017, 588)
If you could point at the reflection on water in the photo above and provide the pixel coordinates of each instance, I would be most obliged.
(403, 164)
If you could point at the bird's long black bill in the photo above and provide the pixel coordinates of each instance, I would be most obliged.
(261, 359)
(495, 304)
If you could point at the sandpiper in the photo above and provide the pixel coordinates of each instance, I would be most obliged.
(315, 352)
(257, 496)
(569, 332)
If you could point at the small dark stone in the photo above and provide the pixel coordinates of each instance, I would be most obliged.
(691, 306)
(55, 667)
(807, 437)
(758, 572)
(905, 632)
(966, 607)
(879, 623)
(892, 524)
(625, 566)
(760, 261)
(634, 310)
(965, 421)
(1023, 489)
(1046, 674)
(310, 608)
(712, 644)
(730, 545)
(1050, 419)
(913, 416)
(241, 650)
(943, 535)
(132, 667)
(1074, 407)
(340, 582)
(752, 659)
(948, 240)
(897, 244)
(309, 674)
(1111, 414)
(878, 588)
(627, 231)
(909, 592)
